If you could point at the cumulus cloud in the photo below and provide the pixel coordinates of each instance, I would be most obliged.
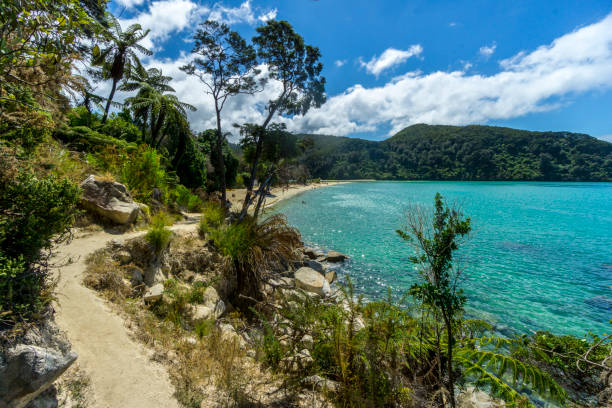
(339, 63)
(130, 3)
(607, 138)
(241, 14)
(526, 83)
(487, 50)
(389, 58)
(164, 17)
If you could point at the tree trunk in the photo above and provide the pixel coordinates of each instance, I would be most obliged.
(110, 99)
(157, 128)
(220, 161)
(449, 356)
(247, 198)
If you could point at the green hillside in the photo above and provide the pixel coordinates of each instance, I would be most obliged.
(425, 152)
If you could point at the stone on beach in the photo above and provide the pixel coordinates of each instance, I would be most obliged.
(335, 256)
(312, 281)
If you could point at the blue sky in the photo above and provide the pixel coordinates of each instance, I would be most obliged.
(539, 65)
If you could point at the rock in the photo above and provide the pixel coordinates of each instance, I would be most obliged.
(228, 334)
(187, 275)
(154, 293)
(191, 340)
(307, 341)
(124, 257)
(28, 370)
(201, 312)
(335, 256)
(212, 306)
(136, 276)
(331, 276)
(316, 265)
(358, 324)
(109, 199)
(309, 252)
(320, 384)
(312, 281)
(472, 398)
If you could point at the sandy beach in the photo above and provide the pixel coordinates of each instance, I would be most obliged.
(236, 196)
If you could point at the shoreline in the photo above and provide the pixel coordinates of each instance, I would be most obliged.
(236, 196)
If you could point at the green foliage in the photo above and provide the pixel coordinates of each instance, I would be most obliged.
(574, 362)
(183, 197)
(85, 139)
(487, 365)
(191, 166)
(144, 171)
(213, 216)
(35, 214)
(175, 308)
(158, 235)
(424, 152)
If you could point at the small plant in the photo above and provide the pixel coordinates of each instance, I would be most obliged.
(143, 171)
(158, 235)
(213, 216)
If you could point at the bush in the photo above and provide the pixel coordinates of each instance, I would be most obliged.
(158, 235)
(213, 216)
(119, 128)
(35, 214)
(256, 249)
(144, 171)
(183, 197)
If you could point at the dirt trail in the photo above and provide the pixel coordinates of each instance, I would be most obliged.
(121, 372)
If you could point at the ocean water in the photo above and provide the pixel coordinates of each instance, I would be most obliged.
(539, 256)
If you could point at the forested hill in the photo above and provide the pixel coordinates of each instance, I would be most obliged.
(425, 152)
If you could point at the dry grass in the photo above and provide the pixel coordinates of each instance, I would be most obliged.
(104, 275)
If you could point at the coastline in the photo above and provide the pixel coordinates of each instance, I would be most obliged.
(236, 196)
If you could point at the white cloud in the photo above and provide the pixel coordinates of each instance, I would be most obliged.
(242, 14)
(339, 63)
(452, 24)
(270, 15)
(526, 83)
(164, 17)
(607, 138)
(130, 3)
(487, 50)
(389, 58)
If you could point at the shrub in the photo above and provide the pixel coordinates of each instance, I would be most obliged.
(35, 214)
(144, 171)
(119, 128)
(108, 158)
(256, 249)
(183, 197)
(158, 235)
(213, 216)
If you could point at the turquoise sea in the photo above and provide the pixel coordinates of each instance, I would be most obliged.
(539, 257)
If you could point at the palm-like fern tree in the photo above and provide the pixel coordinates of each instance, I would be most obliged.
(118, 54)
(161, 107)
(146, 82)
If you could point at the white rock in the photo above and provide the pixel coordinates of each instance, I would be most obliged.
(109, 199)
(307, 341)
(312, 281)
(331, 276)
(155, 292)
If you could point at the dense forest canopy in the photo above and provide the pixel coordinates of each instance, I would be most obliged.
(425, 152)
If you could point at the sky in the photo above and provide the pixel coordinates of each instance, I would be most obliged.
(536, 65)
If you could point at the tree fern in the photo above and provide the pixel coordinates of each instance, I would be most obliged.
(487, 366)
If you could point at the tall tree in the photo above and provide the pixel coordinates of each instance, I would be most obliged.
(296, 66)
(118, 54)
(146, 82)
(435, 239)
(225, 64)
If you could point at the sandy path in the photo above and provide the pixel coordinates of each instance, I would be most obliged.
(121, 373)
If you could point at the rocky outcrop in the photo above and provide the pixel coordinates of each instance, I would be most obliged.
(30, 366)
(109, 199)
(312, 281)
(335, 256)
(212, 306)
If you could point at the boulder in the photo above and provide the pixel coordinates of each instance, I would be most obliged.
(212, 306)
(316, 265)
(109, 199)
(310, 253)
(28, 370)
(307, 341)
(136, 276)
(335, 256)
(154, 293)
(312, 281)
(124, 257)
(331, 276)
(320, 384)
(473, 398)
